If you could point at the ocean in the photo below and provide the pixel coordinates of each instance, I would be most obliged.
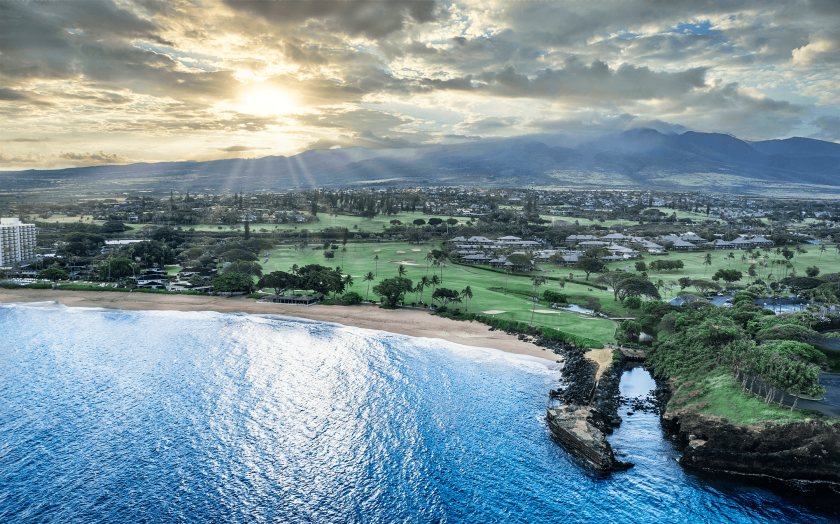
(151, 416)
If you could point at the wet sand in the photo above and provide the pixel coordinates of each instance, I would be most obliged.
(415, 323)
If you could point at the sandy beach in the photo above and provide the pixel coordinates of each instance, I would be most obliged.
(414, 323)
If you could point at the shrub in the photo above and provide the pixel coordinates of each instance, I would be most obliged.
(633, 303)
(351, 298)
(554, 296)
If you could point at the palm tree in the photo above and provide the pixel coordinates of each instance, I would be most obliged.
(467, 294)
(822, 250)
(707, 261)
(348, 281)
(368, 278)
(343, 250)
(401, 271)
(429, 258)
(424, 283)
(442, 263)
(376, 260)
(435, 281)
(508, 271)
(537, 281)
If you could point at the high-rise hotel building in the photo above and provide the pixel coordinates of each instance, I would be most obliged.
(17, 241)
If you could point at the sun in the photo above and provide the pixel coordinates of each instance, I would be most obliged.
(264, 101)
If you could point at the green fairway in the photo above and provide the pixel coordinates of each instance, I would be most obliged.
(694, 268)
(359, 260)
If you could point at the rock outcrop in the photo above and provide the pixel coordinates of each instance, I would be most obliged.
(803, 451)
(582, 429)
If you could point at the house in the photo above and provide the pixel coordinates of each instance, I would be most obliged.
(692, 237)
(509, 239)
(616, 237)
(719, 244)
(679, 243)
(294, 300)
(580, 238)
(476, 259)
(479, 240)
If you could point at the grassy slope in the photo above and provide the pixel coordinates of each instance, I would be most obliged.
(358, 260)
(719, 394)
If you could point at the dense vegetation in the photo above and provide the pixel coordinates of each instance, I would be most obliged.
(764, 354)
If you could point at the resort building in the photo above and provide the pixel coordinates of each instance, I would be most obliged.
(17, 241)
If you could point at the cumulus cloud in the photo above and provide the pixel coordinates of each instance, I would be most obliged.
(174, 73)
(829, 128)
(365, 139)
(369, 18)
(29, 158)
(96, 157)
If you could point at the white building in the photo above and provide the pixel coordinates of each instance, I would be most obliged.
(17, 241)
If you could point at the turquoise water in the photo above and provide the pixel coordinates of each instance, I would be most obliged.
(111, 416)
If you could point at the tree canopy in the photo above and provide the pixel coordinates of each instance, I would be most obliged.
(392, 290)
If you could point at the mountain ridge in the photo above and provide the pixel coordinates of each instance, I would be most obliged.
(637, 157)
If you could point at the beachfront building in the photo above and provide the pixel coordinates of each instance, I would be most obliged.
(17, 242)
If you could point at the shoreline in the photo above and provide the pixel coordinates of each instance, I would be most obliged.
(414, 323)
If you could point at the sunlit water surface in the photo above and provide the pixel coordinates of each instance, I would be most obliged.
(111, 416)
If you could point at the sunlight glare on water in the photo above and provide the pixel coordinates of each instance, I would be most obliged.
(112, 416)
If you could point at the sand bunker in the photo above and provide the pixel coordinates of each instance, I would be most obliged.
(416, 250)
(401, 252)
(544, 311)
(377, 250)
(752, 261)
(405, 262)
(493, 312)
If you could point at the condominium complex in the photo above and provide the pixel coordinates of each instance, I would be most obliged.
(17, 241)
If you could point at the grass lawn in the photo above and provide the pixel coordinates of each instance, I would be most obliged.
(359, 260)
(64, 219)
(694, 268)
(719, 394)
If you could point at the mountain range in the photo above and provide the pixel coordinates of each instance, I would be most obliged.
(634, 159)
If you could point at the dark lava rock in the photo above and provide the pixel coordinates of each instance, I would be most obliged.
(801, 451)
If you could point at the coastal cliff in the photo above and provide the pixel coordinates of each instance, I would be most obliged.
(800, 451)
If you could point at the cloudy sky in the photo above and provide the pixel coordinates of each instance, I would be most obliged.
(110, 82)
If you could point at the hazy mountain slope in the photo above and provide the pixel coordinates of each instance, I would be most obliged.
(635, 158)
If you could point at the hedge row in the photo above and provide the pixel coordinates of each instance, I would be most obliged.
(547, 332)
(554, 296)
(587, 283)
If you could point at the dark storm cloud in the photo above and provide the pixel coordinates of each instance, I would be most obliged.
(369, 18)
